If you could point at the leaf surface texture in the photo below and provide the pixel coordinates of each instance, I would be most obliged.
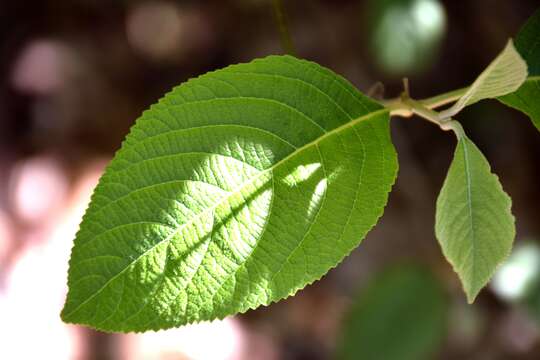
(474, 224)
(235, 190)
(527, 97)
(504, 75)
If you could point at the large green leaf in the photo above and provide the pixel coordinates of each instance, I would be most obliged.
(504, 75)
(401, 315)
(237, 189)
(527, 97)
(474, 224)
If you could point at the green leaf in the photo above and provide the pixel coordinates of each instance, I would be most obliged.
(528, 43)
(474, 225)
(402, 315)
(236, 190)
(504, 75)
(527, 98)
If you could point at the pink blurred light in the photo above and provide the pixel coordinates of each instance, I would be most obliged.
(155, 29)
(217, 340)
(31, 301)
(40, 67)
(518, 331)
(6, 238)
(38, 187)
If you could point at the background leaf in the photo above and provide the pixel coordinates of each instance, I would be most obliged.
(528, 43)
(401, 314)
(527, 97)
(235, 190)
(474, 224)
(504, 75)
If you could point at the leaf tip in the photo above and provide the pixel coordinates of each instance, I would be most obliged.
(66, 316)
(521, 64)
(472, 295)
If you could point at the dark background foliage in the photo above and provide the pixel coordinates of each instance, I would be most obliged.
(75, 74)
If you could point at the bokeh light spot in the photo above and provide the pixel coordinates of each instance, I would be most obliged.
(515, 277)
(155, 29)
(406, 34)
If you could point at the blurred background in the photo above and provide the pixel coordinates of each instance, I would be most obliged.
(75, 74)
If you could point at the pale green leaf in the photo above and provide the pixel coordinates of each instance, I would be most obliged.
(527, 98)
(237, 189)
(474, 224)
(401, 315)
(504, 75)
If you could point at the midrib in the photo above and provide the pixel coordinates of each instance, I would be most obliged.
(227, 197)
